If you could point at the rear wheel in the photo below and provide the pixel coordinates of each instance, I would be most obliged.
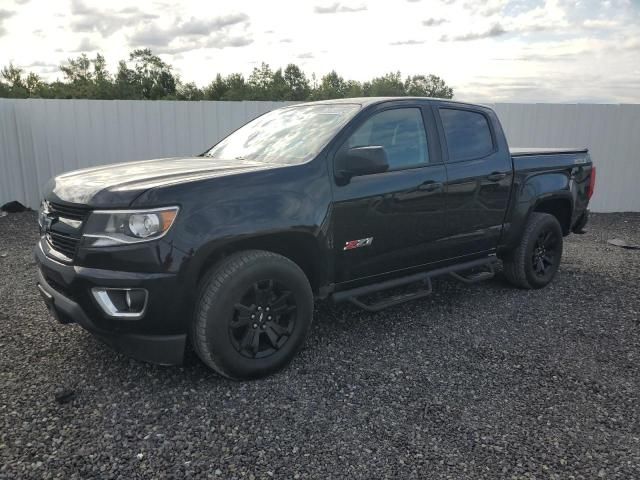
(534, 263)
(253, 314)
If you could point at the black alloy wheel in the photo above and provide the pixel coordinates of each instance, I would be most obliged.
(263, 320)
(534, 262)
(253, 313)
(545, 253)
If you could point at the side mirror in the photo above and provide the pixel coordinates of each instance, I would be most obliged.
(359, 161)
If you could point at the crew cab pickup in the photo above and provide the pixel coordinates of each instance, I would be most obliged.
(335, 200)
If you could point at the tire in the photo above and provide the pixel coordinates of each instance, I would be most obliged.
(253, 314)
(534, 263)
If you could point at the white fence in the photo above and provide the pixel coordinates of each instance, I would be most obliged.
(42, 138)
(611, 132)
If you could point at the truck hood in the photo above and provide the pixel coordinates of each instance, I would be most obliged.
(117, 185)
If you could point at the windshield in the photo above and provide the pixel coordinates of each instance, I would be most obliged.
(287, 135)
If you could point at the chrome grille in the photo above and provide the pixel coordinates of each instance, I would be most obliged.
(63, 243)
(68, 211)
(63, 227)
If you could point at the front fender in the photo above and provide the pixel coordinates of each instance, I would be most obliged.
(227, 213)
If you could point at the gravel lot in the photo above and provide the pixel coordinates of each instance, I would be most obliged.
(475, 381)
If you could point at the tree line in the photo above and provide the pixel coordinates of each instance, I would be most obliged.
(145, 76)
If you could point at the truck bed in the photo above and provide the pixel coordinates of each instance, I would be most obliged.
(521, 152)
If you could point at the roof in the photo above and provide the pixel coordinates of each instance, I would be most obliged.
(366, 101)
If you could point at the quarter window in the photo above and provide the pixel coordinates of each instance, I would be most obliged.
(468, 134)
(400, 131)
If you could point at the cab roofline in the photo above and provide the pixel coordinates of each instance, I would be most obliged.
(367, 101)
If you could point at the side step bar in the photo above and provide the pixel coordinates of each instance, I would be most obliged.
(425, 277)
(475, 277)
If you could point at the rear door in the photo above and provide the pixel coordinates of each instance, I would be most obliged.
(479, 176)
(393, 220)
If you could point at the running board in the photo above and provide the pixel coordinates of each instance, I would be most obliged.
(425, 277)
(475, 277)
(394, 300)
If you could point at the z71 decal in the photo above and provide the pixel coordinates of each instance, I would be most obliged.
(363, 242)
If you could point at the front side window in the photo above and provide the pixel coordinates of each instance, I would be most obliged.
(468, 134)
(400, 131)
(288, 135)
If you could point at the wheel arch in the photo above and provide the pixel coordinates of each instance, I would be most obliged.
(560, 206)
(301, 248)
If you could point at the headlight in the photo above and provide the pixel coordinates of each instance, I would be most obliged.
(42, 215)
(106, 228)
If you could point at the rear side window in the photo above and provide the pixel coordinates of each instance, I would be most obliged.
(400, 131)
(467, 133)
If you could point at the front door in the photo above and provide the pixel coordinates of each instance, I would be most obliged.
(390, 221)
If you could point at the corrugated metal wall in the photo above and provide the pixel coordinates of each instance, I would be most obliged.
(611, 132)
(41, 138)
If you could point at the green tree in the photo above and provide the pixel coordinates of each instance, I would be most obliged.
(238, 89)
(389, 85)
(232, 87)
(151, 75)
(355, 89)
(104, 84)
(100, 68)
(427, 86)
(87, 78)
(15, 83)
(189, 91)
(297, 84)
(145, 76)
(126, 84)
(331, 85)
(34, 85)
(78, 70)
(260, 82)
(216, 89)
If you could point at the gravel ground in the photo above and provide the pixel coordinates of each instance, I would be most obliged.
(475, 381)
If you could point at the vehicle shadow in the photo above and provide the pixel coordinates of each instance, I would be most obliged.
(337, 327)
(334, 324)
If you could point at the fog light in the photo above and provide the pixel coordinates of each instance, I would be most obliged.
(136, 299)
(121, 302)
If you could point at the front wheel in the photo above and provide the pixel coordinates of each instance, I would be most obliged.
(534, 263)
(253, 314)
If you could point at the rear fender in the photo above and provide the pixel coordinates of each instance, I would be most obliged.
(535, 193)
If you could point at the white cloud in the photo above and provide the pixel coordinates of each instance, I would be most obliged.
(433, 22)
(600, 23)
(4, 15)
(87, 45)
(495, 30)
(407, 42)
(338, 8)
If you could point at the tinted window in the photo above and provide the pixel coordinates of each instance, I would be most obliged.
(401, 133)
(467, 133)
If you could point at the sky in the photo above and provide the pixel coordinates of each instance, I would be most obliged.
(488, 50)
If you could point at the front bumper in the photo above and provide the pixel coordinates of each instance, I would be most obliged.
(158, 337)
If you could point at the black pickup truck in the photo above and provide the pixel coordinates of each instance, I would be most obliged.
(336, 199)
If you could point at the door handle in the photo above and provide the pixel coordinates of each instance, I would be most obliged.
(430, 186)
(496, 176)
